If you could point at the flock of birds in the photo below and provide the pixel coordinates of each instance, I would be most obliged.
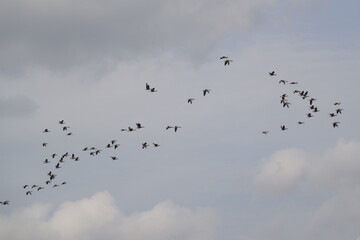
(304, 94)
(58, 160)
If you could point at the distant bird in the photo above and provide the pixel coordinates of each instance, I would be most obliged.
(272, 73)
(190, 100)
(25, 186)
(138, 125)
(156, 145)
(224, 57)
(55, 185)
(300, 123)
(28, 192)
(39, 188)
(293, 83)
(116, 146)
(46, 130)
(311, 100)
(227, 62)
(44, 144)
(144, 145)
(176, 128)
(85, 149)
(339, 110)
(57, 165)
(283, 128)
(169, 127)
(65, 128)
(286, 104)
(309, 115)
(337, 103)
(53, 155)
(108, 145)
(205, 91)
(316, 109)
(61, 122)
(69, 134)
(336, 124)
(34, 186)
(97, 151)
(5, 202)
(113, 142)
(46, 161)
(296, 91)
(147, 86)
(47, 182)
(283, 81)
(114, 158)
(153, 90)
(265, 132)
(332, 115)
(63, 183)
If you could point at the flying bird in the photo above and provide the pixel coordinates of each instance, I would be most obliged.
(144, 145)
(227, 62)
(114, 158)
(176, 128)
(156, 144)
(283, 81)
(190, 100)
(147, 86)
(283, 128)
(205, 91)
(336, 124)
(61, 122)
(138, 125)
(265, 132)
(5, 202)
(339, 110)
(46, 130)
(272, 73)
(224, 57)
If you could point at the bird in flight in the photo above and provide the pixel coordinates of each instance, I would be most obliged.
(114, 158)
(272, 73)
(44, 144)
(205, 91)
(224, 57)
(283, 128)
(61, 122)
(265, 132)
(156, 145)
(190, 100)
(227, 62)
(336, 124)
(5, 202)
(144, 145)
(283, 81)
(46, 130)
(138, 125)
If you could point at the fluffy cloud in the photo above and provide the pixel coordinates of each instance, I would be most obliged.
(99, 218)
(17, 106)
(282, 171)
(60, 35)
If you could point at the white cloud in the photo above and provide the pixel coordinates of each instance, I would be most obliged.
(282, 171)
(99, 218)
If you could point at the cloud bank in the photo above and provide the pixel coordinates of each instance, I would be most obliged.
(98, 217)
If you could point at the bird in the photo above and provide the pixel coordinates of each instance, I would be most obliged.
(311, 100)
(108, 145)
(28, 192)
(46, 130)
(337, 103)
(283, 81)
(153, 90)
(55, 185)
(292, 83)
(339, 110)
(336, 124)
(283, 128)
(53, 155)
(63, 183)
(46, 161)
(168, 127)
(44, 144)
(224, 57)
(144, 145)
(65, 128)
(205, 91)
(138, 125)
(57, 165)
(286, 104)
(147, 86)
(113, 158)
(227, 62)
(332, 115)
(176, 128)
(34, 186)
(47, 182)
(25, 186)
(85, 149)
(272, 73)
(309, 115)
(5, 202)
(69, 134)
(156, 144)
(300, 123)
(61, 122)
(116, 146)
(113, 142)
(265, 132)
(190, 100)
(39, 188)
(316, 109)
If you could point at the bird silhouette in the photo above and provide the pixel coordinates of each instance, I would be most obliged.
(205, 91)
(272, 73)
(190, 100)
(336, 124)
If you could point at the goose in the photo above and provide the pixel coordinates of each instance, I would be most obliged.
(336, 124)
(286, 104)
(190, 100)
(52, 177)
(57, 165)
(337, 103)
(25, 186)
(153, 90)
(283, 81)
(311, 100)
(61, 122)
(5, 202)
(44, 144)
(144, 145)
(53, 155)
(309, 115)
(65, 128)
(85, 149)
(147, 86)
(28, 192)
(168, 127)
(97, 151)
(113, 142)
(272, 73)
(34, 186)
(283, 128)
(227, 62)
(332, 115)
(63, 183)
(47, 182)
(55, 185)
(116, 146)
(224, 57)
(156, 145)
(265, 132)
(46, 130)
(138, 125)
(292, 83)
(69, 134)
(316, 110)
(205, 91)
(300, 123)
(108, 146)
(46, 161)
(39, 188)
(176, 128)
(113, 158)
(338, 111)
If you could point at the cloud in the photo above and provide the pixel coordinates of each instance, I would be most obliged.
(282, 171)
(58, 35)
(98, 217)
(17, 106)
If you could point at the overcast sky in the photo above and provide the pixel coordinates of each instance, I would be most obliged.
(216, 177)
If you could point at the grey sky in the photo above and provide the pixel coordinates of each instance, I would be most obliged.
(217, 177)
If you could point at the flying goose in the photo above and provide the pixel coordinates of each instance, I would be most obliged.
(265, 132)
(190, 100)
(227, 62)
(272, 73)
(283, 128)
(156, 145)
(336, 124)
(144, 145)
(205, 91)
(114, 158)
(46, 130)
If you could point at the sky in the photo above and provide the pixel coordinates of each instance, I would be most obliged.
(216, 177)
